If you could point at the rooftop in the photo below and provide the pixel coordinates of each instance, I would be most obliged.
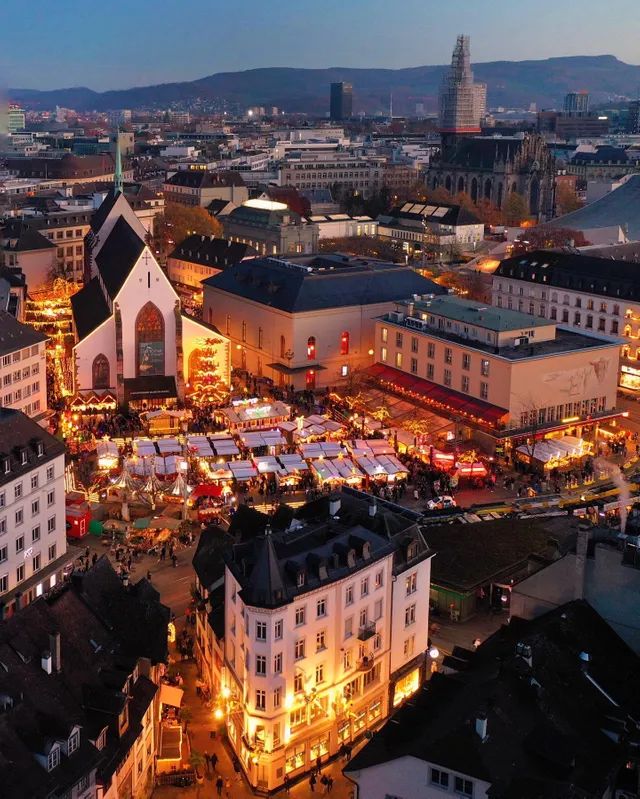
(315, 282)
(553, 722)
(15, 335)
(21, 442)
(204, 179)
(435, 213)
(210, 251)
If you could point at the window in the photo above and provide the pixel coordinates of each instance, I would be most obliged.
(53, 758)
(439, 777)
(363, 617)
(614, 327)
(100, 372)
(299, 649)
(149, 332)
(414, 344)
(398, 339)
(311, 348)
(20, 544)
(448, 355)
(447, 377)
(297, 717)
(321, 608)
(35, 507)
(347, 659)
(19, 516)
(20, 573)
(4, 583)
(409, 646)
(383, 358)
(34, 481)
(466, 361)
(277, 699)
(244, 331)
(410, 615)
(348, 627)
(300, 579)
(398, 360)
(384, 334)
(379, 579)
(261, 665)
(364, 587)
(73, 743)
(260, 337)
(35, 534)
(377, 609)
(484, 391)
(463, 787)
(298, 683)
(50, 472)
(411, 584)
(484, 367)
(4, 553)
(319, 673)
(36, 563)
(348, 595)
(344, 343)
(414, 366)
(52, 552)
(17, 491)
(261, 700)
(261, 631)
(301, 614)
(3, 526)
(431, 350)
(321, 640)
(51, 524)
(464, 384)
(277, 630)
(51, 498)
(430, 371)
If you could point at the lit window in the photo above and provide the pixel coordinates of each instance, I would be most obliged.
(311, 348)
(344, 343)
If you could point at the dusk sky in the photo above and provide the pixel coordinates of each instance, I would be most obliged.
(120, 43)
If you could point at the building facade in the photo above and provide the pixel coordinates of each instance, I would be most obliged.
(502, 374)
(326, 631)
(23, 368)
(306, 321)
(341, 102)
(348, 172)
(580, 292)
(33, 541)
(199, 257)
(270, 228)
(199, 187)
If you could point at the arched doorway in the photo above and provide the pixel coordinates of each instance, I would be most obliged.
(460, 185)
(487, 189)
(447, 183)
(100, 372)
(534, 196)
(474, 190)
(499, 202)
(149, 341)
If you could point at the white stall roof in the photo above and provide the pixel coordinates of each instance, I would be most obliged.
(326, 470)
(346, 468)
(201, 445)
(293, 463)
(144, 447)
(105, 448)
(268, 464)
(242, 470)
(169, 446)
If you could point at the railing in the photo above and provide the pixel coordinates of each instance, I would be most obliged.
(365, 663)
(367, 631)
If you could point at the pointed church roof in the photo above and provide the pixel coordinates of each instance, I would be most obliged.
(267, 586)
(89, 309)
(100, 216)
(118, 256)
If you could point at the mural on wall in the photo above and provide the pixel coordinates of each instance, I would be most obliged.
(576, 382)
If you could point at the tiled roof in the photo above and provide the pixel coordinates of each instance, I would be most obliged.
(15, 335)
(20, 435)
(210, 251)
(118, 255)
(89, 308)
(204, 179)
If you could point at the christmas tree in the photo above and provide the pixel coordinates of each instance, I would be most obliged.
(205, 386)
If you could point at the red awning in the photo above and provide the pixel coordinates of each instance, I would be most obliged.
(206, 490)
(439, 395)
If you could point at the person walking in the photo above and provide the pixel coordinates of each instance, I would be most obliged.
(207, 762)
(287, 783)
(214, 761)
(219, 784)
(329, 784)
(312, 783)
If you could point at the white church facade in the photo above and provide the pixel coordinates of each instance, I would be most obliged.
(132, 339)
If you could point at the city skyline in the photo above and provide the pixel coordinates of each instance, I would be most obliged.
(109, 52)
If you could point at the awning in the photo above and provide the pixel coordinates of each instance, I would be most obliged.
(293, 370)
(206, 490)
(170, 695)
(446, 398)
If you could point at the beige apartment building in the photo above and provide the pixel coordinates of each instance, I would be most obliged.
(500, 374)
(304, 170)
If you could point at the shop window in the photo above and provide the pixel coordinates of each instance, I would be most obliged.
(311, 348)
(344, 343)
(310, 380)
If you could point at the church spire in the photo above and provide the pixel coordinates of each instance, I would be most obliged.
(118, 182)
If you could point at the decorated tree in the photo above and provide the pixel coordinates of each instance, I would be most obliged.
(205, 384)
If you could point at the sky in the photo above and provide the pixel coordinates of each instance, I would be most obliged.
(113, 44)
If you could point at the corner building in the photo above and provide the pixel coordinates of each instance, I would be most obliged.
(326, 627)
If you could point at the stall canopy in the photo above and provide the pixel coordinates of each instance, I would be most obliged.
(326, 470)
(224, 446)
(242, 470)
(144, 447)
(171, 695)
(254, 439)
(206, 490)
(293, 463)
(347, 469)
(321, 449)
(108, 456)
(201, 446)
(269, 464)
(169, 446)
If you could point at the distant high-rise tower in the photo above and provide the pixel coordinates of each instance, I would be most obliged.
(462, 102)
(576, 103)
(341, 101)
(633, 117)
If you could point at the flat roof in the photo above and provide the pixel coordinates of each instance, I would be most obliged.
(500, 320)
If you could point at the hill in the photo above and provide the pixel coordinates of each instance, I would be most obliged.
(510, 83)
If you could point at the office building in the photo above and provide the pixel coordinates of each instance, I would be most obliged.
(341, 101)
(326, 619)
(16, 119)
(576, 103)
(633, 118)
(501, 373)
(306, 321)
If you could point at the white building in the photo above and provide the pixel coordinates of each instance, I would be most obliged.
(326, 631)
(23, 367)
(339, 226)
(33, 541)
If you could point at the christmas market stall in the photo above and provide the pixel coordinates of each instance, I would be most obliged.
(269, 441)
(243, 471)
(294, 470)
(326, 472)
(207, 499)
(348, 470)
(108, 455)
(164, 421)
(554, 453)
(383, 468)
(224, 446)
(168, 446)
(252, 414)
(321, 449)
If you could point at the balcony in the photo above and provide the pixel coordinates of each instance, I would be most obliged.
(367, 631)
(365, 663)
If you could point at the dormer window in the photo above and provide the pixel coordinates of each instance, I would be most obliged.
(300, 578)
(73, 742)
(6, 465)
(53, 758)
(412, 550)
(23, 457)
(39, 449)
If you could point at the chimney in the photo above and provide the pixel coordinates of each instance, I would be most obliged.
(582, 543)
(410, 308)
(481, 726)
(56, 657)
(373, 508)
(45, 662)
(334, 506)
